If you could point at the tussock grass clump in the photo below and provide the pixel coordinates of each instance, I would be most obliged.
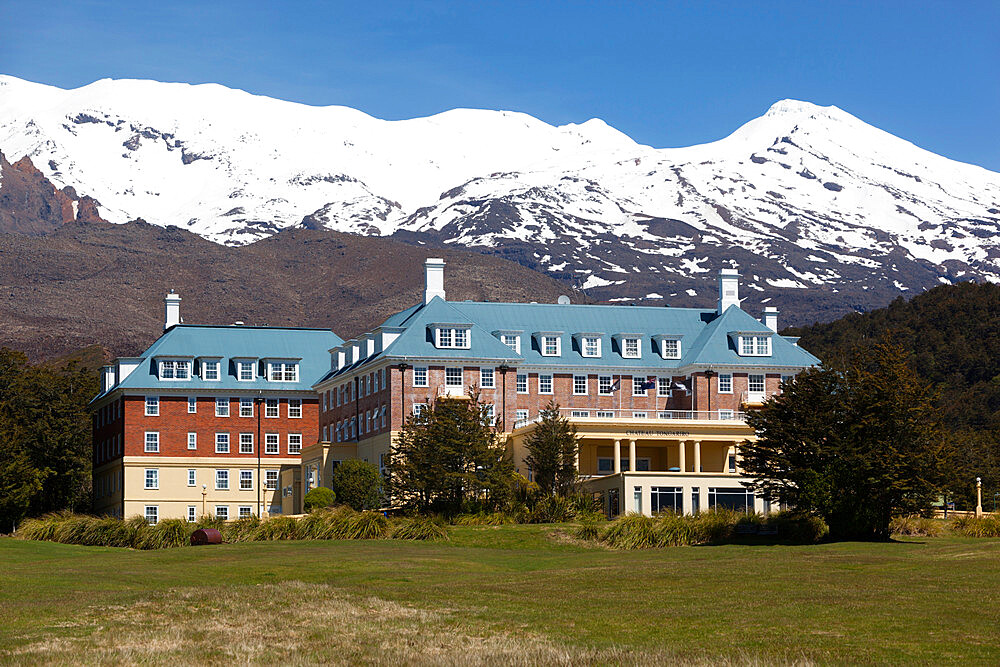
(420, 528)
(485, 519)
(588, 530)
(368, 526)
(241, 530)
(916, 526)
(632, 531)
(275, 528)
(674, 530)
(973, 526)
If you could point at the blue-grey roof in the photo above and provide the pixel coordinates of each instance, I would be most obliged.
(227, 343)
(707, 338)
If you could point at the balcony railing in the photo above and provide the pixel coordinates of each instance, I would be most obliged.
(646, 415)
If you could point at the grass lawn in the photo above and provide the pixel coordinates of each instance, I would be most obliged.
(501, 595)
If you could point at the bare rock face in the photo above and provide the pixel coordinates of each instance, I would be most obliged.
(32, 206)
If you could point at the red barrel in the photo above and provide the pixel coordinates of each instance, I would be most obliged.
(206, 536)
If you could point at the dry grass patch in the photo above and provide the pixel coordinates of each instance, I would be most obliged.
(299, 623)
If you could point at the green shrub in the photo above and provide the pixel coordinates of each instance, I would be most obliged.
(326, 524)
(320, 497)
(358, 484)
(715, 525)
(485, 519)
(973, 526)
(675, 530)
(168, 533)
(588, 530)
(798, 527)
(368, 526)
(420, 528)
(916, 526)
(276, 528)
(241, 530)
(632, 531)
(552, 509)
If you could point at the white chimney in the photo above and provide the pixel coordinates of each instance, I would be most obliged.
(771, 318)
(729, 289)
(172, 310)
(108, 377)
(433, 279)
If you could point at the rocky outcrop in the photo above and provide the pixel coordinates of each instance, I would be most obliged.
(31, 205)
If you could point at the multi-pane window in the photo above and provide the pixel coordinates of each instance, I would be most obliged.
(725, 383)
(663, 386)
(605, 414)
(284, 371)
(580, 413)
(246, 480)
(295, 408)
(726, 414)
(192, 440)
(222, 512)
(521, 415)
(246, 407)
(671, 348)
(221, 407)
(152, 478)
(580, 385)
(544, 383)
(604, 385)
(221, 443)
(639, 415)
(192, 405)
(755, 346)
(294, 443)
(490, 417)
(246, 370)
(192, 477)
(222, 480)
(638, 386)
(522, 383)
(246, 443)
(550, 346)
(487, 378)
(152, 514)
(419, 409)
(666, 499)
(192, 513)
(755, 384)
(512, 341)
(152, 406)
(209, 370)
(245, 511)
(453, 377)
(270, 407)
(271, 443)
(461, 338)
(152, 442)
(591, 346)
(630, 348)
(449, 337)
(419, 376)
(270, 479)
(175, 370)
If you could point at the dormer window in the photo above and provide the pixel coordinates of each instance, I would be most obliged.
(630, 348)
(246, 370)
(283, 371)
(754, 345)
(670, 348)
(210, 369)
(591, 346)
(175, 370)
(513, 341)
(452, 338)
(550, 346)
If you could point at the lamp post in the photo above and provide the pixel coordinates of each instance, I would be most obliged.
(979, 496)
(204, 492)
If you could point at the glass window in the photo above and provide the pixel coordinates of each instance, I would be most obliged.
(192, 513)
(222, 407)
(210, 370)
(591, 346)
(487, 378)
(725, 383)
(666, 499)
(192, 477)
(671, 348)
(419, 409)
(295, 408)
(630, 348)
(746, 345)
(738, 499)
(192, 405)
(152, 478)
(152, 406)
(580, 413)
(544, 384)
(270, 407)
(222, 512)
(726, 414)
(152, 514)
(580, 385)
(762, 345)
(604, 385)
(453, 338)
(294, 443)
(490, 417)
(444, 338)
(284, 371)
(637, 499)
(271, 479)
(246, 370)
(221, 443)
(453, 377)
(245, 511)
(192, 441)
(152, 442)
(246, 443)
(755, 384)
(605, 414)
(639, 415)
(550, 346)
(271, 443)
(512, 341)
(521, 415)
(246, 407)
(246, 480)
(222, 480)
(638, 386)
(461, 338)
(663, 387)
(419, 376)
(522, 383)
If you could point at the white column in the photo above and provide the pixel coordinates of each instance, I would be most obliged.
(697, 455)
(631, 455)
(618, 457)
(736, 453)
(682, 455)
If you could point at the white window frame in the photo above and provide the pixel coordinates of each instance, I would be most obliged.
(272, 408)
(294, 448)
(419, 409)
(211, 367)
(449, 377)
(221, 479)
(295, 408)
(667, 353)
(192, 440)
(663, 385)
(246, 480)
(151, 482)
(192, 477)
(152, 406)
(640, 414)
(544, 347)
(152, 517)
(521, 415)
(579, 413)
(754, 345)
(192, 405)
(521, 383)
(763, 384)
(174, 370)
(246, 407)
(221, 406)
(452, 338)
(192, 513)
(246, 365)
(151, 446)
(219, 443)
(283, 371)
(487, 378)
(224, 514)
(726, 414)
(244, 512)
(605, 384)
(576, 385)
(631, 354)
(545, 379)
(272, 443)
(725, 379)
(637, 382)
(421, 376)
(605, 414)
(513, 341)
(270, 480)
(246, 443)
(585, 342)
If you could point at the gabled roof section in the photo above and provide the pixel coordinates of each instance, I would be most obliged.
(715, 347)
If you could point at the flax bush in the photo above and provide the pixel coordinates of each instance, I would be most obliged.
(916, 526)
(420, 528)
(972, 526)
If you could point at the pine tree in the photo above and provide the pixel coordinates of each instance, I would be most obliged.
(552, 452)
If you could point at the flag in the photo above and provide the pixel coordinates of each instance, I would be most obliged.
(682, 387)
(617, 385)
(649, 384)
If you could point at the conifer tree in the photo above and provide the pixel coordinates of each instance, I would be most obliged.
(552, 452)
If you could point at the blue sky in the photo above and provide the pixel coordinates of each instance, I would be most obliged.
(668, 74)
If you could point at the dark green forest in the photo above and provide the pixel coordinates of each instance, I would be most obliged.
(952, 334)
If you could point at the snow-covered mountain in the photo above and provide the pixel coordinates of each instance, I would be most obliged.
(803, 197)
